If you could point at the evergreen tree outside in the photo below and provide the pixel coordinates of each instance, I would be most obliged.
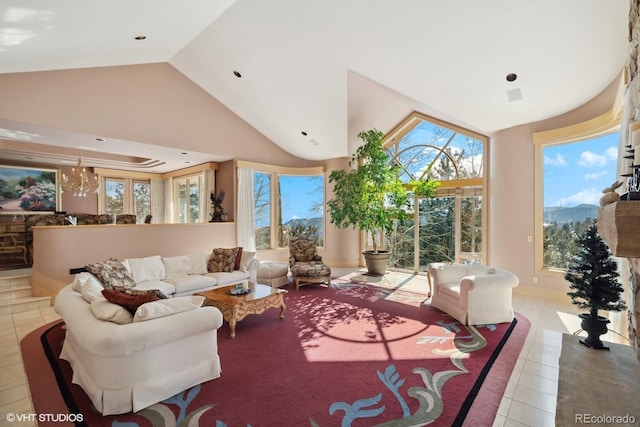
(594, 276)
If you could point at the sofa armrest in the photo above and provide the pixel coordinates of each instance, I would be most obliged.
(252, 269)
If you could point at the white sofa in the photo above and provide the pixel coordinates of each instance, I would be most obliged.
(128, 362)
(474, 294)
(187, 274)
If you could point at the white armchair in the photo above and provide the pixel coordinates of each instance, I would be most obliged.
(473, 294)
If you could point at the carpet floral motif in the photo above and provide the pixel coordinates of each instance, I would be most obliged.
(456, 342)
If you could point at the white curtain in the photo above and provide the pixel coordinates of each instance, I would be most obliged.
(157, 201)
(245, 222)
(209, 187)
(168, 200)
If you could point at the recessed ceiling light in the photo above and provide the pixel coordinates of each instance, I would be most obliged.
(100, 139)
(304, 133)
(141, 37)
(184, 154)
(237, 74)
(511, 77)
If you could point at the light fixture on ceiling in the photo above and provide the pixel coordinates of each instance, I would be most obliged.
(78, 182)
(140, 37)
(511, 77)
(237, 74)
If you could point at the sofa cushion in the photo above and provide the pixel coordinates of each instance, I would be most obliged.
(88, 285)
(451, 289)
(105, 310)
(130, 298)
(199, 263)
(190, 284)
(177, 266)
(222, 259)
(111, 273)
(90, 291)
(221, 278)
(148, 268)
(160, 285)
(85, 278)
(167, 307)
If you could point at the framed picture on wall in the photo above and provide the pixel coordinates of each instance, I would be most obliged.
(28, 190)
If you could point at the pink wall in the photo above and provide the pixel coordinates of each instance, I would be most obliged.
(60, 248)
(511, 190)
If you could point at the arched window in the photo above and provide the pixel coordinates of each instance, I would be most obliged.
(451, 226)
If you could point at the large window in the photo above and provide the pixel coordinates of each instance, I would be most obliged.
(451, 226)
(188, 200)
(288, 203)
(573, 175)
(127, 196)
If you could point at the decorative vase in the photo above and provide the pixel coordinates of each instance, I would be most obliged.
(594, 327)
(377, 262)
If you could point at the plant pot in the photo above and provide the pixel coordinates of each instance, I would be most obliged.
(594, 327)
(377, 262)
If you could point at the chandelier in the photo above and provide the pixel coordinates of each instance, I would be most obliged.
(78, 182)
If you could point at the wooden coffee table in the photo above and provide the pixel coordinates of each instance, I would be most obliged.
(234, 308)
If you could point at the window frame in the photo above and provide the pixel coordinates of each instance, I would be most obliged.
(128, 179)
(455, 188)
(199, 176)
(601, 125)
(274, 172)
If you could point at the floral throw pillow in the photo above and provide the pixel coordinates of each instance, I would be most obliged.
(222, 260)
(131, 299)
(111, 273)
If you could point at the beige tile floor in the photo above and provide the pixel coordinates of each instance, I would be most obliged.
(529, 399)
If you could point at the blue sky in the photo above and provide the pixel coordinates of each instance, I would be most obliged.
(576, 173)
(299, 194)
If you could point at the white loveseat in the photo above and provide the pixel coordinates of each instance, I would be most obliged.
(128, 362)
(474, 294)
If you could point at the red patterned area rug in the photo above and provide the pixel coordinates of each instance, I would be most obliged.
(348, 355)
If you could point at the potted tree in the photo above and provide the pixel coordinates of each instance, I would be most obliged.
(594, 282)
(370, 196)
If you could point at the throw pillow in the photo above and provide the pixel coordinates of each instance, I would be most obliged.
(105, 310)
(223, 260)
(111, 273)
(238, 259)
(167, 307)
(131, 299)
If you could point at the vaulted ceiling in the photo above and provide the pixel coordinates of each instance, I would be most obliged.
(330, 69)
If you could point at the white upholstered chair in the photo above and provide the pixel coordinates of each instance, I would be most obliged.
(473, 294)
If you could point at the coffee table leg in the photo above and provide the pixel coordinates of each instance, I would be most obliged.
(232, 326)
(282, 307)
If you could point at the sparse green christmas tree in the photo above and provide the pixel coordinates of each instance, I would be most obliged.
(594, 276)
